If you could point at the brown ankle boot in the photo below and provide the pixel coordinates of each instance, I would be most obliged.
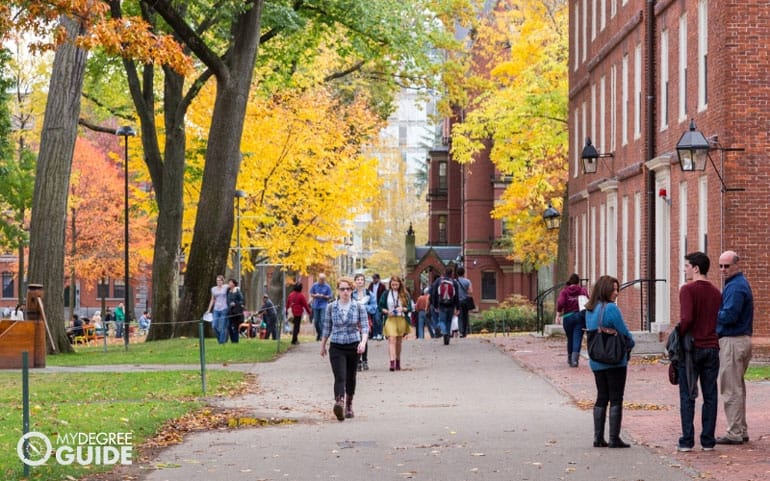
(398, 364)
(349, 406)
(392, 365)
(339, 407)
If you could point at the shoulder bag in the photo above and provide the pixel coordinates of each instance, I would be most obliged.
(605, 344)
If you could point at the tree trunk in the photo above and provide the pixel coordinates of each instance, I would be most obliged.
(54, 164)
(169, 191)
(214, 221)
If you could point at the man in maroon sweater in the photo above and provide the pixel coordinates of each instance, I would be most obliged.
(699, 302)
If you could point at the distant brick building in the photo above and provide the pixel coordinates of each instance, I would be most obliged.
(639, 72)
(462, 232)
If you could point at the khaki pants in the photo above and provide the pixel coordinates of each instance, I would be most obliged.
(734, 357)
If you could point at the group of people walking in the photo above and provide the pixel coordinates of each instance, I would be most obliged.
(710, 346)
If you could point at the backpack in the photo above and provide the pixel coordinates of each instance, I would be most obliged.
(446, 292)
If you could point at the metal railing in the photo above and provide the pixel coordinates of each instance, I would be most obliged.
(540, 301)
(646, 325)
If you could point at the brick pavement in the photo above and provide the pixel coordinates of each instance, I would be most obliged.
(651, 416)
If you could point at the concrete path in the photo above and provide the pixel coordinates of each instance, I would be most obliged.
(467, 411)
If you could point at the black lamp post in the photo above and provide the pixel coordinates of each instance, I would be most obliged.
(126, 132)
(693, 149)
(552, 218)
(239, 194)
(589, 156)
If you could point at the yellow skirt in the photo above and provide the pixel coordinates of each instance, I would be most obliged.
(396, 326)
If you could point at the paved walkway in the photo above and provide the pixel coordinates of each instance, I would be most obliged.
(468, 411)
(652, 413)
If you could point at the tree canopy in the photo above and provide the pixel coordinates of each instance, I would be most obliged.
(517, 99)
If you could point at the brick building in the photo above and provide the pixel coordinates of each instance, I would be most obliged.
(462, 232)
(639, 72)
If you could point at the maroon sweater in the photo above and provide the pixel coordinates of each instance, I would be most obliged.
(699, 303)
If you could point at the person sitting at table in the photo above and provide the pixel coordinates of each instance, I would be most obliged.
(75, 329)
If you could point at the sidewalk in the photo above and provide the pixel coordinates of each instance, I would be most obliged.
(651, 416)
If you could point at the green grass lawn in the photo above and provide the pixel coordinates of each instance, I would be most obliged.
(173, 351)
(758, 373)
(128, 402)
(139, 403)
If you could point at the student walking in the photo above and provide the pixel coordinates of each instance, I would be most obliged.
(346, 329)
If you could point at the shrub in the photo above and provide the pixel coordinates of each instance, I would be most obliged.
(510, 316)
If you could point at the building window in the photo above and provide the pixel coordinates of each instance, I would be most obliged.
(8, 286)
(442, 177)
(638, 91)
(602, 113)
(624, 101)
(663, 80)
(613, 106)
(683, 67)
(442, 237)
(703, 53)
(118, 289)
(488, 286)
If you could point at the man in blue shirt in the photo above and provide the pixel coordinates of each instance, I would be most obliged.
(734, 328)
(320, 295)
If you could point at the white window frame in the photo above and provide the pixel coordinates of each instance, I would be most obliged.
(638, 91)
(637, 235)
(624, 101)
(612, 235)
(703, 212)
(664, 79)
(683, 67)
(703, 50)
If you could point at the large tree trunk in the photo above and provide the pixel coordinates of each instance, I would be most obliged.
(170, 197)
(214, 220)
(54, 164)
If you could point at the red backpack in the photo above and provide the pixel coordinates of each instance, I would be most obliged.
(446, 292)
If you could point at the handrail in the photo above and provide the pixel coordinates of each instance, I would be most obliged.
(645, 320)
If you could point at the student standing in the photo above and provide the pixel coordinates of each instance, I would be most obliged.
(699, 302)
(610, 379)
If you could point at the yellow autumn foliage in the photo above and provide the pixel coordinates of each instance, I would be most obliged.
(520, 104)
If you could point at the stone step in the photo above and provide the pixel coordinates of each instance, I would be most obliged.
(647, 343)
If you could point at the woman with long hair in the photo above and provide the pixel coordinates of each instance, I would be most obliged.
(610, 378)
(346, 327)
(396, 306)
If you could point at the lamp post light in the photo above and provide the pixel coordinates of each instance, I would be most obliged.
(693, 150)
(126, 131)
(589, 156)
(239, 194)
(552, 218)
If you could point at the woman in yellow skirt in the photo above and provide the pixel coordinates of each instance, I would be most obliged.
(396, 307)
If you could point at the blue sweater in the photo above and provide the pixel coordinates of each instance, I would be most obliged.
(736, 316)
(611, 318)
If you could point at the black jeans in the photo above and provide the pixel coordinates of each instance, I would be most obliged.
(610, 386)
(463, 322)
(295, 320)
(344, 361)
(706, 369)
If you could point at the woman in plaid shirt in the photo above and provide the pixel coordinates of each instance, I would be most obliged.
(346, 328)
